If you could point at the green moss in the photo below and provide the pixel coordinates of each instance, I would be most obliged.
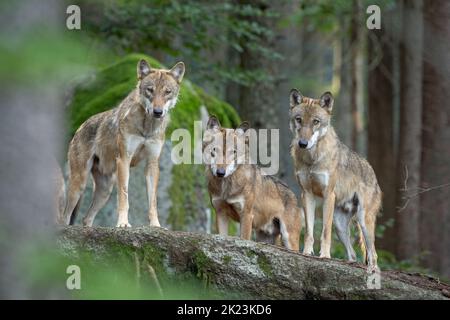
(226, 260)
(251, 254)
(155, 258)
(188, 195)
(264, 265)
(201, 267)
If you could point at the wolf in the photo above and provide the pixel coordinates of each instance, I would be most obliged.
(239, 190)
(111, 142)
(328, 169)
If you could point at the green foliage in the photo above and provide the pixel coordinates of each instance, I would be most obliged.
(186, 28)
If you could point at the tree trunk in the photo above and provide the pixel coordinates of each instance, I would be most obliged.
(409, 155)
(356, 74)
(343, 115)
(435, 204)
(243, 269)
(380, 124)
(30, 135)
(288, 41)
(257, 101)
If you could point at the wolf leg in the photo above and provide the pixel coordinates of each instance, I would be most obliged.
(246, 224)
(309, 205)
(222, 223)
(77, 184)
(368, 233)
(103, 185)
(221, 208)
(342, 223)
(123, 176)
(290, 236)
(152, 178)
(328, 210)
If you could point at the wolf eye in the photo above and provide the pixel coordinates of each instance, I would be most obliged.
(168, 91)
(213, 152)
(299, 120)
(316, 122)
(150, 90)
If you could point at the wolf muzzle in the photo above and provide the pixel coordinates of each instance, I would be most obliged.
(220, 172)
(157, 112)
(302, 143)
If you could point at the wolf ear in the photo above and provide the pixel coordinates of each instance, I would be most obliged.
(143, 69)
(178, 71)
(213, 123)
(244, 126)
(295, 98)
(327, 101)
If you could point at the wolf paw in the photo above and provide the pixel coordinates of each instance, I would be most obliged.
(155, 224)
(123, 225)
(371, 269)
(325, 255)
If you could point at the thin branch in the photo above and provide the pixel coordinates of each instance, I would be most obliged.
(138, 270)
(418, 191)
(152, 273)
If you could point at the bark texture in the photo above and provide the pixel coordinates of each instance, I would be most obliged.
(409, 153)
(381, 153)
(435, 172)
(247, 268)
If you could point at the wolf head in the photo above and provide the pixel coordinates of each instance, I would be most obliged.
(224, 150)
(309, 118)
(158, 88)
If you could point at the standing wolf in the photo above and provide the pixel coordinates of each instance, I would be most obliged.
(328, 169)
(108, 143)
(241, 192)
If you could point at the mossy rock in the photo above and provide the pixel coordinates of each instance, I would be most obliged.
(183, 201)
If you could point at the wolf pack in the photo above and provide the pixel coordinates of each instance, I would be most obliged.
(108, 144)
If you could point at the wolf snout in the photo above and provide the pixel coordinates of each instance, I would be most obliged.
(302, 143)
(157, 112)
(220, 172)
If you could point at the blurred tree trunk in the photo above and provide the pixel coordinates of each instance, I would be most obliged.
(342, 87)
(409, 156)
(435, 204)
(265, 103)
(288, 41)
(257, 100)
(380, 123)
(30, 135)
(356, 71)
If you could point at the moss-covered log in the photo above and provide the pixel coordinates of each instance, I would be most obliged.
(246, 269)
